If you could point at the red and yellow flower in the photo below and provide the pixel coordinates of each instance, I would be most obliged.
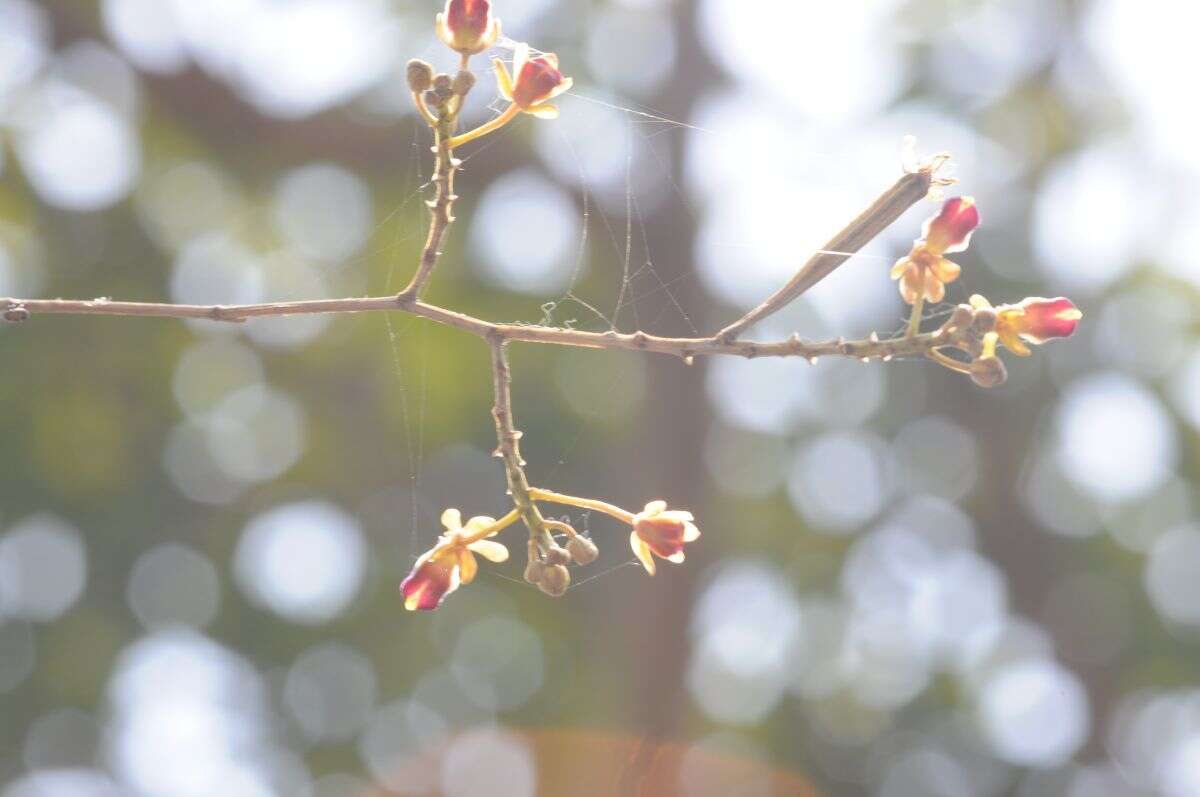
(1033, 320)
(924, 272)
(538, 80)
(467, 26)
(658, 531)
(440, 570)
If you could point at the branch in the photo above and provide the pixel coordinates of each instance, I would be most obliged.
(684, 348)
(907, 191)
(441, 207)
(509, 444)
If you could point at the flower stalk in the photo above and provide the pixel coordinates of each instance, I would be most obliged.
(617, 512)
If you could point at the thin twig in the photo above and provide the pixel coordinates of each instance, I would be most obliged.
(906, 192)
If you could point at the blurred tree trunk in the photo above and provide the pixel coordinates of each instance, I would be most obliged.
(673, 426)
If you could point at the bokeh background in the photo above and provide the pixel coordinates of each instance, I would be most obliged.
(906, 585)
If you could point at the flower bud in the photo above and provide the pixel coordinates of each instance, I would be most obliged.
(534, 82)
(557, 555)
(433, 99)
(950, 230)
(534, 571)
(420, 75)
(464, 81)
(984, 322)
(443, 84)
(537, 81)
(555, 580)
(467, 26)
(582, 550)
(960, 318)
(988, 371)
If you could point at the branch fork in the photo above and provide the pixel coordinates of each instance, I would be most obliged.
(972, 331)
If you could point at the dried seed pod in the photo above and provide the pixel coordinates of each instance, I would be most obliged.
(582, 550)
(420, 75)
(555, 580)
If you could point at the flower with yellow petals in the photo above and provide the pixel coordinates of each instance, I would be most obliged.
(660, 532)
(467, 26)
(440, 570)
(1033, 320)
(537, 81)
(924, 272)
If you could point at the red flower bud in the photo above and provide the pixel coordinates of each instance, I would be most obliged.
(950, 230)
(537, 81)
(440, 570)
(433, 577)
(467, 26)
(1036, 320)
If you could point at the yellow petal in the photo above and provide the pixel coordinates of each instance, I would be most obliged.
(479, 522)
(910, 285)
(935, 289)
(562, 87)
(544, 111)
(490, 550)
(642, 551)
(654, 507)
(945, 270)
(1012, 340)
(443, 30)
(503, 80)
(902, 265)
(979, 302)
(452, 519)
(492, 34)
(467, 566)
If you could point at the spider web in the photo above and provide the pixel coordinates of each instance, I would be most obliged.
(638, 296)
(635, 296)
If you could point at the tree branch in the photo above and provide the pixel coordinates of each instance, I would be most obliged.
(509, 442)
(685, 348)
(441, 207)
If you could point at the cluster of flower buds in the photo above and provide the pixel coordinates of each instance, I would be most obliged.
(975, 328)
(468, 28)
(440, 95)
(548, 561)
